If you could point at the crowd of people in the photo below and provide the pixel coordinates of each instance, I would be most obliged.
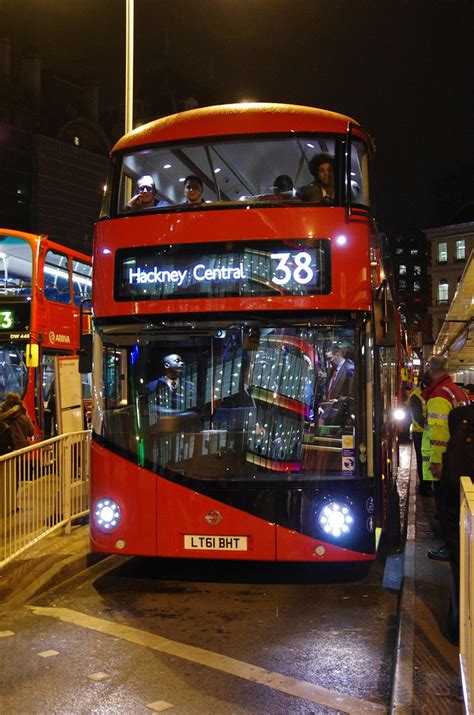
(443, 437)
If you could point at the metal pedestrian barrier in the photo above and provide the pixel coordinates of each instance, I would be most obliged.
(466, 593)
(43, 487)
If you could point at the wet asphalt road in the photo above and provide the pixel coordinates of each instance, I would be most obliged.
(203, 637)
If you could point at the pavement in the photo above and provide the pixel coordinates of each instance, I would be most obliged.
(426, 676)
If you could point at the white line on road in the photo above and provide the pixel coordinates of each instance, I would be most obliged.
(217, 661)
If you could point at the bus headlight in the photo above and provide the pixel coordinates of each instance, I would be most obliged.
(106, 514)
(399, 414)
(336, 519)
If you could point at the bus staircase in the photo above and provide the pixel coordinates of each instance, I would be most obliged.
(43, 489)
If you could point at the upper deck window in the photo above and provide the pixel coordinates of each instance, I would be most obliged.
(81, 281)
(56, 277)
(16, 266)
(273, 172)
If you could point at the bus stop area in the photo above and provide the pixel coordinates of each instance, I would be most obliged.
(426, 672)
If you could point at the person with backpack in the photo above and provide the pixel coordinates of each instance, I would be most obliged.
(442, 395)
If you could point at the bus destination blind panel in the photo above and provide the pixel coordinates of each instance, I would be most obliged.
(290, 267)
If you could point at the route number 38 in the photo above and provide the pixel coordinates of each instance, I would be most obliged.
(299, 270)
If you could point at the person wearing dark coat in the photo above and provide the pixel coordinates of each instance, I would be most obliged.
(6, 439)
(458, 462)
(14, 415)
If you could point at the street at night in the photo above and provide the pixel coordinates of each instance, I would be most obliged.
(236, 357)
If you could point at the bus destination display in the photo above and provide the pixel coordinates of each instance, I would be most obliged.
(14, 317)
(258, 268)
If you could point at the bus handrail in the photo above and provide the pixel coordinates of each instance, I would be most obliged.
(43, 488)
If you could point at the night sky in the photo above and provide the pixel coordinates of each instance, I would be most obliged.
(404, 70)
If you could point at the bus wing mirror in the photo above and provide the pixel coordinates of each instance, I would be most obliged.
(85, 353)
(32, 355)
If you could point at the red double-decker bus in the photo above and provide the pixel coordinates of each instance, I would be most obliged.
(45, 292)
(245, 349)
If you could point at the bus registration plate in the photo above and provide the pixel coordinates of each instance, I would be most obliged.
(215, 543)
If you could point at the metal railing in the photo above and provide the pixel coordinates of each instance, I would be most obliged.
(43, 487)
(466, 593)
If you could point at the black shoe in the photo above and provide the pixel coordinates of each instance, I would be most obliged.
(441, 554)
(425, 490)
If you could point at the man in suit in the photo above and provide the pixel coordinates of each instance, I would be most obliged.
(342, 375)
(171, 390)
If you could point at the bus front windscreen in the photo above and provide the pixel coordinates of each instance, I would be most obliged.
(232, 401)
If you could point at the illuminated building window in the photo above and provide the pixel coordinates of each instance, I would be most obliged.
(414, 251)
(442, 252)
(443, 291)
(461, 250)
(416, 286)
(77, 141)
(402, 270)
(402, 284)
(399, 250)
(417, 270)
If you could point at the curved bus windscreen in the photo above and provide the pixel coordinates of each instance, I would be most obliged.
(232, 402)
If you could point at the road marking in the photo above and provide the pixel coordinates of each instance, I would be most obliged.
(48, 653)
(217, 661)
(160, 706)
(99, 677)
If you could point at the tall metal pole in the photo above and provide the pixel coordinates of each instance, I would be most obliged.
(129, 42)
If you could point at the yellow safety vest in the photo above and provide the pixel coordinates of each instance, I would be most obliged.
(415, 426)
(435, 435)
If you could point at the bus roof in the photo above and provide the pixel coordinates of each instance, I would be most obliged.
(232, 119)
(35, 238)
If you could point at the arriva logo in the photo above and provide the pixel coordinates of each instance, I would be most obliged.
(58, 338)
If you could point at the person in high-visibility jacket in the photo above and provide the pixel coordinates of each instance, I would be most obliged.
(418, 419)
(442, 395)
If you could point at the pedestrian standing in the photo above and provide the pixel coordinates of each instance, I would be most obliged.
(418, 419)
(459, 462)
(442, 395)
(14, 415)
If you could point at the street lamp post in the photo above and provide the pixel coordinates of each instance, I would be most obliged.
(129, 42)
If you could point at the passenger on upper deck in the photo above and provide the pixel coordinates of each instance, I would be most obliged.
(146, 197)
(193, 190)
(321, 189)
(283, 187)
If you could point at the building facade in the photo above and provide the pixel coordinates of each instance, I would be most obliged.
(449, 250)
(53, 152)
